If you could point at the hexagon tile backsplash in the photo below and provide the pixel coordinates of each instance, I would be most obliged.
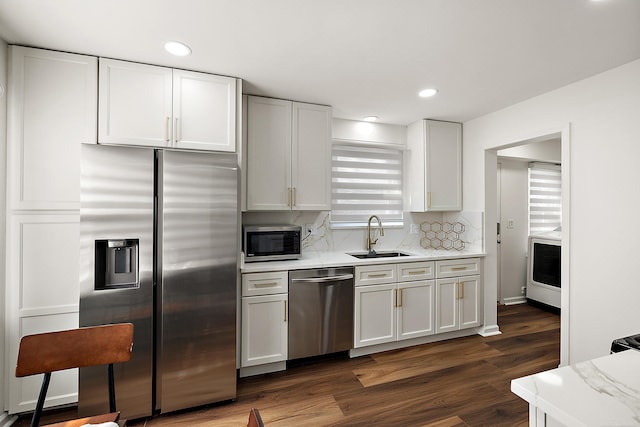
(442, 235)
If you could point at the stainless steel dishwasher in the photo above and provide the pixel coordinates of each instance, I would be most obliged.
(320, 311)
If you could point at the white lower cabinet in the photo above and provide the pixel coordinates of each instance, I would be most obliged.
(264, 329)
(458, 298)
(415, 309)
(264, 318)
(375, 314)
(387, 312)
(395, 305)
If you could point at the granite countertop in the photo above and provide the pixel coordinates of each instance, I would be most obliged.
(599, 392)
(317, 259)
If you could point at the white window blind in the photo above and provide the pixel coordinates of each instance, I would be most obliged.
(545, 197)
(365, 181)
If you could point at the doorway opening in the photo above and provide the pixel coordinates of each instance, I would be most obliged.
(525, 210)
(507, 218)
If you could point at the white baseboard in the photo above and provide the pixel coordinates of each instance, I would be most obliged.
(394, 345)
(515, 300)
(6, 420)
(263, 369)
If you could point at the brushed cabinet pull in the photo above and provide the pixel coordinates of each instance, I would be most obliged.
(457, 290)
(288, 196)
(395, 297)
(429, 200)
(285, 310)
(418, 272)
(400, 303)
(166, 129)
(458, 268)
(265, 284)
(461, 290)
(294, 196)
(175, 132)
(377, 275)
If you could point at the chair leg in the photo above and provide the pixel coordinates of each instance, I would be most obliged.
(112, 389)
(35, 420)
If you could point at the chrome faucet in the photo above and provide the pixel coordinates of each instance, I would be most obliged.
(371, 242)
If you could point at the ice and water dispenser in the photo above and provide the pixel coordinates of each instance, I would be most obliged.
(116, 264)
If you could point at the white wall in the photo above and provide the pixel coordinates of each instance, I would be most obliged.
(514, 187)
(381, 133)
(543, 151)
(3, 175)
(603, 114)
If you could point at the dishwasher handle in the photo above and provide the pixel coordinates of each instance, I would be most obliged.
(323, 279)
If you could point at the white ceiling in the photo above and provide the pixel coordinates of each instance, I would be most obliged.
(363, 57)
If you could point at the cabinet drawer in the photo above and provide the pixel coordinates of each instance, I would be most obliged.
(457, 267)
(276, 282)
(411, 271)
(375, 274)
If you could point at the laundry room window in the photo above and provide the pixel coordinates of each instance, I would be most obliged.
(545, 197)
(365, 181)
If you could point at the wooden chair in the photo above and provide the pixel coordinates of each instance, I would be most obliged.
(75, 348)
(254, 419)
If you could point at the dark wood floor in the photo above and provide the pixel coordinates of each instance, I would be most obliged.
(460, 382)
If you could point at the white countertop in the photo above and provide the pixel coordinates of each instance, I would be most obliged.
(599, 392)
(317, 259)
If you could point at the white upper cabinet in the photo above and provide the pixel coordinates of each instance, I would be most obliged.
(204, 111)
(434, 166)
(52, 102)
(311, 157)
(268, 154)
(135, 104)
(154, 106)
(288, 155)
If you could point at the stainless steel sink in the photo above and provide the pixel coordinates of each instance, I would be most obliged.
(378, 255)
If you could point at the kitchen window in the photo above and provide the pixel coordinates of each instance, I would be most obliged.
(545, 197)
(365, 181)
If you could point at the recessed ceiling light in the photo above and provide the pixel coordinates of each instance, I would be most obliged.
(177, 48)
(426, 93)
(370, 118)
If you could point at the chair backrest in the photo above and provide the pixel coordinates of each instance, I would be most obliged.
(254, 419)
(74, 348)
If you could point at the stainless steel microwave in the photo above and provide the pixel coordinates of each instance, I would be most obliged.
(271, 242)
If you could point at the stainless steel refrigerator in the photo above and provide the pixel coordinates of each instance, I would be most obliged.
(158, 248)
